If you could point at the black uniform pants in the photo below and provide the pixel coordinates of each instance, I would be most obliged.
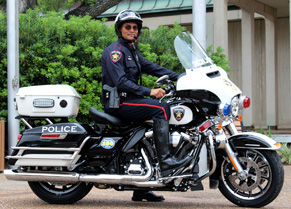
(140, 109)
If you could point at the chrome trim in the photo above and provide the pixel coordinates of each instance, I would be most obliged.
(221, 139)
(213, 158)
(231, 127)
(52, 177)
(255, 145)
(26, 123)
(44, 148)
(71, 159)
(139, 181)
(260, 148)
(240, 171)
(49, 121)
(119, 179)
(175, 177)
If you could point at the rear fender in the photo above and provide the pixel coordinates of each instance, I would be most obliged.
(250, 140)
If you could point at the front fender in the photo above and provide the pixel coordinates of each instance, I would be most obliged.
(251, 140)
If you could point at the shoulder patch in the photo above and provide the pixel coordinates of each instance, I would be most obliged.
(115, 56)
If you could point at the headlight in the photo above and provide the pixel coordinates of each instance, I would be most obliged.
(235, 106)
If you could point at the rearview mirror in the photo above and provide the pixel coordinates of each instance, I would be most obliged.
(163, 80)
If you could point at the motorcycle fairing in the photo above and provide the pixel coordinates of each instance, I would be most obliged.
(201, 72)
(209, 79)
(206, 100)
(249, 140)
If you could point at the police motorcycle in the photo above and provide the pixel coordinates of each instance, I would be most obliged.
(63, 161)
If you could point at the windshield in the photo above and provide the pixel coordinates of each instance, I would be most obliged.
(190, 53)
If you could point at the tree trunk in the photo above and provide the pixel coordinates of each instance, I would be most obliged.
(93, 10)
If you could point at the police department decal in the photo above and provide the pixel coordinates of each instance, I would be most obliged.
(229, 84)
(115, 56)
(107, 143)
(179, 113)
(59, 129)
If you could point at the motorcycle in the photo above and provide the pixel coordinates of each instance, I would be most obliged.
(63, 160)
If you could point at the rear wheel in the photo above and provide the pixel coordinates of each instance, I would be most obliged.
(60, 193)
(265, 176)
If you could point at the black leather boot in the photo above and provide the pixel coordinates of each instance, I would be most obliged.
(161, 137)
(146, 195)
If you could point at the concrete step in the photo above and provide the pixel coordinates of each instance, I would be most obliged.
(283, 138)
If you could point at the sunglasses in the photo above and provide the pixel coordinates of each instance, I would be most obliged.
(129, 27)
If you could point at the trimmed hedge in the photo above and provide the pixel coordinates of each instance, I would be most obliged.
(58, 51)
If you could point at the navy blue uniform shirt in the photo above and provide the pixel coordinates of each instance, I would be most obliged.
(120, 70)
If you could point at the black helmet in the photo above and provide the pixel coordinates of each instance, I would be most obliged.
(127, 16)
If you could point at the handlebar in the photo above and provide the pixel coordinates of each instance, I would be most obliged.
(169, 91)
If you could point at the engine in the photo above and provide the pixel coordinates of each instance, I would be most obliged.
(133, 163)
(178, 137)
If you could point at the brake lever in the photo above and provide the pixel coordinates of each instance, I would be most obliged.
(166, 95)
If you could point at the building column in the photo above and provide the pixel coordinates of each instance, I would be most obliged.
(248, 62)
(270, 70)
(12, 70)
(220, 25)
(199, 21)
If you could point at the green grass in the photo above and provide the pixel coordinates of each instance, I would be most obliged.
(285, 154)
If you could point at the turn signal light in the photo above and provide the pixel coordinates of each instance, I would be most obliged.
(278, 145)
(219, 127)
(239, 118)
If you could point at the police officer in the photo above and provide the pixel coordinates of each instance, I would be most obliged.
(122, 67)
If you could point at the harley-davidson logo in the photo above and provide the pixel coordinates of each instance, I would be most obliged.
(179, 113)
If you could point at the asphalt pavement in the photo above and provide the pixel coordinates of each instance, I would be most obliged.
(17, 194)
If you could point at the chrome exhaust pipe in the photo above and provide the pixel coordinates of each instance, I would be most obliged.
(50, 177)
(139, 181)
(119, 179)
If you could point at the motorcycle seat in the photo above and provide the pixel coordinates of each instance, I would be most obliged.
(104, 118)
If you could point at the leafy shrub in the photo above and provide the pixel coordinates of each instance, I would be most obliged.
(3, 66)
(218, 57)
(158, 46)
(58, 51)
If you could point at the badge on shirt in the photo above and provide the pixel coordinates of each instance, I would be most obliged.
(115, 56)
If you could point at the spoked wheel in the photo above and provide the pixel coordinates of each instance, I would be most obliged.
(60, 193)
(265, 177)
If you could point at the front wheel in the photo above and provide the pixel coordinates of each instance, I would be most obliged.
(265, 177)
(60, 193)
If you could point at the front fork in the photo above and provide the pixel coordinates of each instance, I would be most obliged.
(224, 144)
